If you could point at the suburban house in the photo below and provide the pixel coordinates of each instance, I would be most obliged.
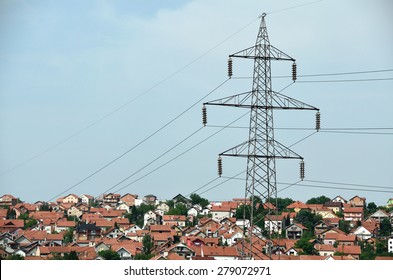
(295, 231)
(182, 199)
(357, 201)
(379, 215)
(220, 212)
(297, 206)
(179, 220)
(335, 206)
(87, 199)
(70, 199)
(150, 218)
(129, 199)
(353, 214)
(111, 199)
(87, 232)
(150, 199)
(339, 199)
(8, 200)
(274, 223)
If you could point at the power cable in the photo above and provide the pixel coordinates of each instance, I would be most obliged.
(219, 184)
(349, 184)
(176, 157)
(294, 7)
(339, 188)
(343, 81)
(139, 143)
(355, 132)
(154, 160)
(126, 103)
(324, 74)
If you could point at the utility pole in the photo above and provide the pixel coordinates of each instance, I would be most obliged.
(261, 149)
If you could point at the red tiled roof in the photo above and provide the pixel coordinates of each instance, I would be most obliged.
(353, 210)
(29, 207)
(221, 208)
(215, 251)
(160, 228)
(297, 204)
(174, 218)
(65, 223)
(350, 250)
(12, 223)
(324, 247)
(46, 215)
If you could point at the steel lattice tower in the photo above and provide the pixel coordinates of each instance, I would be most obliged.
(261, 149)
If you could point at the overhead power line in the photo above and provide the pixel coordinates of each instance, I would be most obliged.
(154, 160)
(339, 188)
(179, 155)
(82, 130)
(326, 74)
(139, 143)
(344, 81)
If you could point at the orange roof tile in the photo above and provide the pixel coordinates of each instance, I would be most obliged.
(174, 218)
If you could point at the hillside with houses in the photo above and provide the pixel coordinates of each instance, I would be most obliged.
(128, 227)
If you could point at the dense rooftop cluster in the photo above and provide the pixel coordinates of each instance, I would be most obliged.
(115, 226)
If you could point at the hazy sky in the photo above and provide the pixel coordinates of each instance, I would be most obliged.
(66, 65)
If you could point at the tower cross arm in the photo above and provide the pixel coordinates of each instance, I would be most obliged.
(252, 53)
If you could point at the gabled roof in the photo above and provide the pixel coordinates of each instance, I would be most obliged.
(324, 247)
(380, 214)
(350, 250)
(221, 208)
(12, 223)
(353, 210)
(297, 204)
(65, 223)
(174, 218)
(297, 225)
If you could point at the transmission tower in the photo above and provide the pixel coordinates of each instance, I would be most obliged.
(261, 149)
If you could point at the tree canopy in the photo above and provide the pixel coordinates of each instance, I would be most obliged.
(109, 255)
(196, 199)
(318, 200)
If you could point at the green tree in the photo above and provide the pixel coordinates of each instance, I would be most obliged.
(170, 203)
(281, 203)
(367, 252)
(136, 215)
(306, 245)
(344, 226)
(15, 257)
(45, 207)
(11, 214)
(68, 237)
(147, 243)
(239, 214)
(180, 209)
(196, 199)
(385, 228)
(318, 200)
(30, 223)
(307, 219)
(109, 255)
(71, 256)
(371, 208)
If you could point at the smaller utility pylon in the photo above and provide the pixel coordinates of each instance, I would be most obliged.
(261, 149)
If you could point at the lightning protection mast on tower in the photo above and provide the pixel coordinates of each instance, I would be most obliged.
(261, 149)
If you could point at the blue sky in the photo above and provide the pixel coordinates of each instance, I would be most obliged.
(66, 64)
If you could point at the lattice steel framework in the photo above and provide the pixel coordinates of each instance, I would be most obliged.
(261, 149)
